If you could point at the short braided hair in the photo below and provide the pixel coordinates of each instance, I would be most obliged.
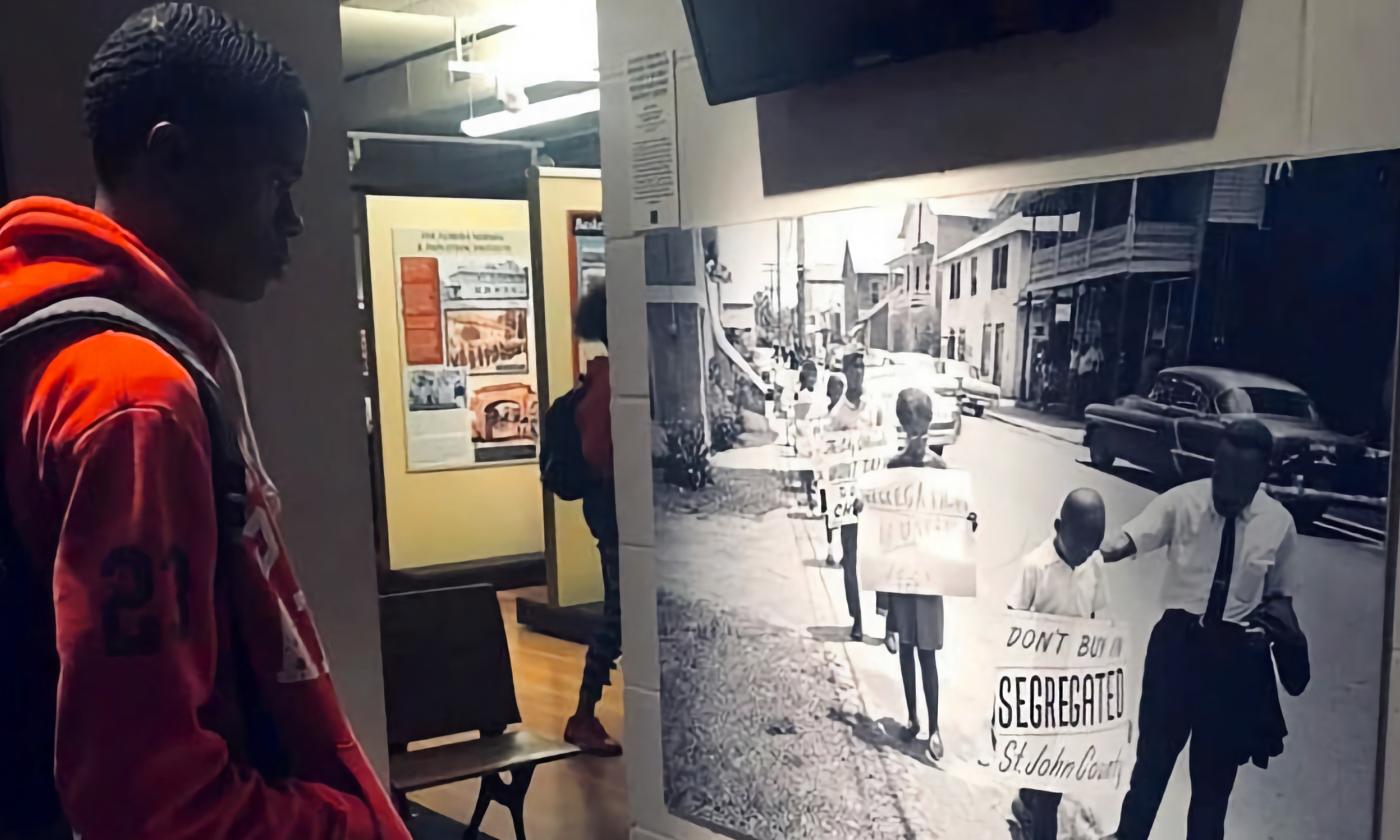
(186, 63)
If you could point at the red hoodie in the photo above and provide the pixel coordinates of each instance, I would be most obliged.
(107, 475)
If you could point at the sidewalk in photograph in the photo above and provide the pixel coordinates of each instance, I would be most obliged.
(777, 725)
(1070, 431)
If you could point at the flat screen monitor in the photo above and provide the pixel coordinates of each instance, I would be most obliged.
(750, 47)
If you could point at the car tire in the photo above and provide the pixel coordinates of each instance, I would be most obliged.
(1099, 454)
(979, 410)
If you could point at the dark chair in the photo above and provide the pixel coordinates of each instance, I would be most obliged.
(447, 671)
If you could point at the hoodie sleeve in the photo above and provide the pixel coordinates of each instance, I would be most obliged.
(137, 630)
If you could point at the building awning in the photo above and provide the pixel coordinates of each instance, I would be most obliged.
(1050, 284)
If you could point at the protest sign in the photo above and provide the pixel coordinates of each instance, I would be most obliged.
(1060, 715)
(842, 458)
(915, 537)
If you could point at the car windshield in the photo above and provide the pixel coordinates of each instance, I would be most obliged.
(1267, 401)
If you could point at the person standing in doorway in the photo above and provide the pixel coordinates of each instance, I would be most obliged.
(594, 419)
(1061, 577)
(1230, 548)
(176, 686)
(853, 413)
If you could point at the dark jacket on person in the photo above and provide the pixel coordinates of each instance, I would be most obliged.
(593, 415)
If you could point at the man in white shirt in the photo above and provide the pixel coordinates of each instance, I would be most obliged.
(1229, 548)
(1061, 576)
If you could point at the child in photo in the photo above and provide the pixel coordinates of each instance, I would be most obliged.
(835, 387)
(806, 407)
(914, 623)
(1061, 576)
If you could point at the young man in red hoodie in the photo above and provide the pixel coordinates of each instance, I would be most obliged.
(593, 416)
(181, 686)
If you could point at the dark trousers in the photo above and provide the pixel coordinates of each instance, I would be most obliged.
(1188, 691)
(600, 511)
(848, 568)
(1043, 809)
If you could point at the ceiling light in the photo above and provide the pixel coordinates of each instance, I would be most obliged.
(537, 113)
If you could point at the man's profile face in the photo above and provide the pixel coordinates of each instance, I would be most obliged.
(235, 193)
(1236, 478)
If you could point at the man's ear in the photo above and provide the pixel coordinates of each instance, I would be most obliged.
(1057, 526)
(168, 147)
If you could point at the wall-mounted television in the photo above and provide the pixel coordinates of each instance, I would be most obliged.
(750, 47)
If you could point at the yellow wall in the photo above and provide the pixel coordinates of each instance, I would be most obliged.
(453, 515)
(574, 577)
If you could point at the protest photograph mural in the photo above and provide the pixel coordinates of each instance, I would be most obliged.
(1053, 513)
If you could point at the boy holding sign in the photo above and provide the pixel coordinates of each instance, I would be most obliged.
(1061, 577)
(853, 413)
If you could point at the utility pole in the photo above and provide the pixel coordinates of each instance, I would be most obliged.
(778, 278)
(801, 289)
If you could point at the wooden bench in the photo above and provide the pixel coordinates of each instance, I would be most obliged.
(447, 671)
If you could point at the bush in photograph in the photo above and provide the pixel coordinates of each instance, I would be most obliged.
(725, 428)
(687, 461)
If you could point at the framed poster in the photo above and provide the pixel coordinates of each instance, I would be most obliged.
(1179, 464)
(465, 309)
(587, 270)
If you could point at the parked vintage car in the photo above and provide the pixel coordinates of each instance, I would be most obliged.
(975, 394)
(1174, 431)
(886, 374)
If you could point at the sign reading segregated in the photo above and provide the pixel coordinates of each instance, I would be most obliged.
(1061, 716)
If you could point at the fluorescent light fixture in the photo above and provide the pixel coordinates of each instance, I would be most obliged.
(528, 74)
(537, 113)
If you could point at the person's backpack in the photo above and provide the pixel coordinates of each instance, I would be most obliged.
(29, 804)
(563, 469)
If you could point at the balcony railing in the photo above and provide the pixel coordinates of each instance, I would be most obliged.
(1156, 246)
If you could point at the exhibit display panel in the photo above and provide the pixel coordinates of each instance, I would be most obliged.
(881, 608)
(458, 373)
(571, 238)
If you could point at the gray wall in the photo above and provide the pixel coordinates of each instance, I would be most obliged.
(300, 348)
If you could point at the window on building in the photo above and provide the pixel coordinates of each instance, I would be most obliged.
(955, 280)
(986, 346)
(972, 279)
(952, 352)
(962, 345)
(1001, 255)
(874, 292)
(916, 278)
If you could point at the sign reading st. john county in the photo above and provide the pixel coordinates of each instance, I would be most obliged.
(842, 458)
(1061, 717)
(915, 537)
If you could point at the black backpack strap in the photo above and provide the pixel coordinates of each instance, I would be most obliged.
(229, 475)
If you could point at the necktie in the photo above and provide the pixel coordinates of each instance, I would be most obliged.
(1224, 568)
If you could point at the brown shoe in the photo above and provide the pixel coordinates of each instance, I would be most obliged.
(588, 734)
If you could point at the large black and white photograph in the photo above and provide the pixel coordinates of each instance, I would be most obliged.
(1050, 514)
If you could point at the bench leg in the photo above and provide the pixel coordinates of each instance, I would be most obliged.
(510, 795)
(519, 786)
(491, 788)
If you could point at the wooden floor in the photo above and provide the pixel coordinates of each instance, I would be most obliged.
(579, 799)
